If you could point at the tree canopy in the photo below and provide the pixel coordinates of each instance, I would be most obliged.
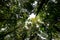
(29, 19)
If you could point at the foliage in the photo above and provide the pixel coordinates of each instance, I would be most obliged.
(16, 22)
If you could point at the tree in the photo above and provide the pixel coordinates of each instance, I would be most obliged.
(29, 19)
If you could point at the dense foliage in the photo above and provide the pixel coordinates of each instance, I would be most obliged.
(29, 19)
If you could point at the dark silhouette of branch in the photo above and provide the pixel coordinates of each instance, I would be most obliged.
(40, 5)
(3, 35)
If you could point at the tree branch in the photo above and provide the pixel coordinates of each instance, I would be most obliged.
(40, 5)
(3, 35)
